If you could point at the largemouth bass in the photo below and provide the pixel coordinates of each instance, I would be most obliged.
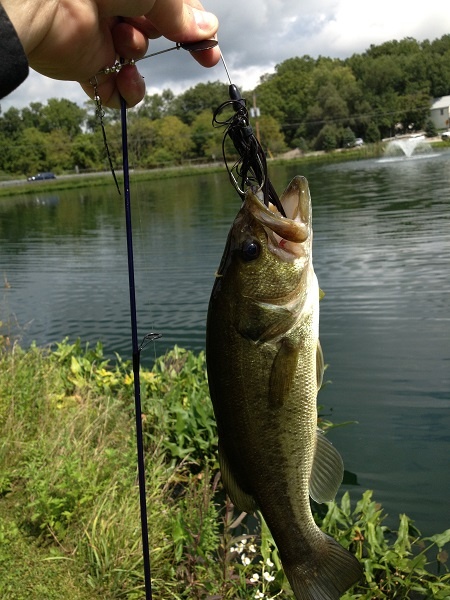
(265, 367)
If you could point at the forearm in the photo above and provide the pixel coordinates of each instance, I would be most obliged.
(30, 20)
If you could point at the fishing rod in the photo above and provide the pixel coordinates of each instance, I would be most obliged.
(136, 351)
(251, 168)
(136, 347)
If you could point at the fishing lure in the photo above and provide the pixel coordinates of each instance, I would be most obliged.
(251, 166)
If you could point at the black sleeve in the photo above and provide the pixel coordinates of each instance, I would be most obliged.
(13, 61)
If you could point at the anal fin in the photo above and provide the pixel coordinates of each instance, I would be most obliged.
(327, 470)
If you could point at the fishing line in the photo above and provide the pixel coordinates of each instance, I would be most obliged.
(100, 113)
(225, 67)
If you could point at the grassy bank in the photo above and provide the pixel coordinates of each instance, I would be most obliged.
(69, 517)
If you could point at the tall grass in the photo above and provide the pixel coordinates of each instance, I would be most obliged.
(67, 459)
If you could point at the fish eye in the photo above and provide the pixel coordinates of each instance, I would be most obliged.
(250, 250)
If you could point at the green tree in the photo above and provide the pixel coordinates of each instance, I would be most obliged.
(172, 140)
(28, 154)
(32, 115)
(58, 151)
(157, 106)
(85, 153)
(430, 128)
(62, 114)
(195, 100)
(285, 95)
(348, 138)
(272, 138)
(206, 139)
(142, 140)
(414, 110)
(372, 133)
(11, 124)
(329, 138)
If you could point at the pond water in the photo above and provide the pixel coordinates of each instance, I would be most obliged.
(382, 256)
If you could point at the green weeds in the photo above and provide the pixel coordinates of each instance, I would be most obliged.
(69, 500)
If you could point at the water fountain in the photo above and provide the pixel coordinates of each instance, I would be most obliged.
(408, 147)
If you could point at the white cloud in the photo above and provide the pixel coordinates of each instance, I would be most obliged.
(38, 88)
(255, 35)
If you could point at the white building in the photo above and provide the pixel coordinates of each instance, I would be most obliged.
(440, 112)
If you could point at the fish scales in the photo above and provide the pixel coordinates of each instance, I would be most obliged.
(264, 370)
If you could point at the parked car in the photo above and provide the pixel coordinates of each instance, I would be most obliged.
(41, 176)
(445, 136)
(357, 142)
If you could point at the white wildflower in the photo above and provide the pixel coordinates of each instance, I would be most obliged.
(241, 547)
(254, 578)
(252, 548)
(269, 563)
(245, 560)
(268, 577)
(259, 594)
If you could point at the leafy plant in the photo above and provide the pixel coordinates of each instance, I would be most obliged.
(68, 465)
(395, 562)
(177, 409)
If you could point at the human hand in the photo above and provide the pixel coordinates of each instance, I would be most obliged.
(75, 39)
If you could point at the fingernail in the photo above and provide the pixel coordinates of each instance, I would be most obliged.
(205, 20)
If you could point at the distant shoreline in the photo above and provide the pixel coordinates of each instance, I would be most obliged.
(17, 187)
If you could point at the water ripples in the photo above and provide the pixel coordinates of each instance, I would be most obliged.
(382, 255)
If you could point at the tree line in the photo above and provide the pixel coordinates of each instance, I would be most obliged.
(312, 104)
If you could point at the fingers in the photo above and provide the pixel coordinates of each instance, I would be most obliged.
(182, 22)
(128, 83)
(124, 8)
(177, 20)
(207, 58)
(128, 41)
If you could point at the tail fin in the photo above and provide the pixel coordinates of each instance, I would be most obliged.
(328, 575)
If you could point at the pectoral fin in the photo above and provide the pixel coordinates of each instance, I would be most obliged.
(320, 365)
(283, 373)
(242, 501)
(327, 471)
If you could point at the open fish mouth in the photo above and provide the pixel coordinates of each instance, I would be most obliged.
(285, 234)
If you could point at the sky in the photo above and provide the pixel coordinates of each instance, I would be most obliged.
(256, 35)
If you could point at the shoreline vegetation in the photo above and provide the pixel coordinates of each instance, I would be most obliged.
(69, 508)
(11, 188)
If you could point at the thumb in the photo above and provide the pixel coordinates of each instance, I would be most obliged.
(182, 22)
